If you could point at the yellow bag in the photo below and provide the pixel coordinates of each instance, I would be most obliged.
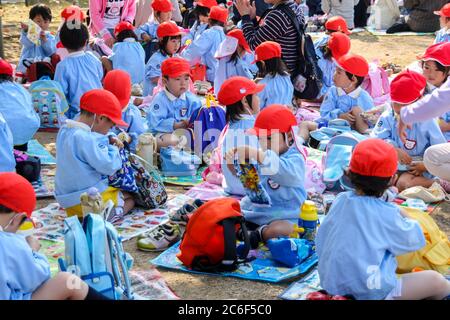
(436, 253)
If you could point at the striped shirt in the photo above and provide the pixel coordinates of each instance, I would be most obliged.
(276, 27)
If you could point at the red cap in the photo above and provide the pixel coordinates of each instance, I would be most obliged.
(337, 23)
(267, 50)
(16, 193)
(5, 67)
(103, 103)
(239, 35)
(407, 87)
(175, 67)
(374, 158)
(207, 3)
(354, 64)
(235, 88)
(439, 52)
(272, 119)
(124, 25)
(339, 44)
(59, 45)
(444, 12)
(162, 5)
(218, 13)
(168, 29)
(72, 13)
(119, 83)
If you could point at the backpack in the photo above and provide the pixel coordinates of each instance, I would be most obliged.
(319, 138)
(307, 79)
(209, 242)
(435, 255)
(178, 163)
(94, 252)
(27, 166)
(376, 83)
(124, 179)
(313, 175)
(49, 102)
(306, 114)
(37, 70)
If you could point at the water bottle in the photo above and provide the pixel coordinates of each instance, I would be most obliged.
(91, 202)
(308, 221)
(146, 148)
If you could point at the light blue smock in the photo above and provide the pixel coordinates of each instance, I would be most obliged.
(7, 161)
(32, 51)
(136, 124)
(227, 69)
(129, 56)
(153, 70)
(442, 35)
(278, 90)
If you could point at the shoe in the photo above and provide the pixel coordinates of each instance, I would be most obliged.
(160, 238)
(444, 184)
(181, 215)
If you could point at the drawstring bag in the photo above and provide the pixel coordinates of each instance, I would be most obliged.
(435, 193)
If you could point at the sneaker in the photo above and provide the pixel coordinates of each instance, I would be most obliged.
(181, 215)
(160, 238)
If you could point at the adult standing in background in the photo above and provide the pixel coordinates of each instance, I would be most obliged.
(144, 12)
(343, 8)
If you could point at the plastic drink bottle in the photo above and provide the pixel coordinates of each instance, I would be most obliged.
(91, 202)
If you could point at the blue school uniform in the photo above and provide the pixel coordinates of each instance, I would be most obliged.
(136, 124)
(18, 111)
(153, 70)
(22, 271)
(203, 50)
(328, 67)
(337, 102)
(278, 89)
(227, 69)
(84, 159)
(421, 135)
(235, 136)
(129, 56)
(357, 244)
(148, 28)
(7, 161)
(321, 42)
(446, 118)
(283, 178)
(78, 73)
(442, 35)
(195, 31)
(32, 51)
(249, 58)
(166, 109)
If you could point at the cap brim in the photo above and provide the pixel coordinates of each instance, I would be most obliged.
(438, 13)
(259, 132)
(119, 122)
(258, 88)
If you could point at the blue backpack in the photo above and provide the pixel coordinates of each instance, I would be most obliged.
(94, 252)
(319, 138)
(49, 102)
(178, 163)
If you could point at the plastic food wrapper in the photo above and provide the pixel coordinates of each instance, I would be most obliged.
(248, 175)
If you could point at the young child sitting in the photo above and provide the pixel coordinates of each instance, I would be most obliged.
(282, 174)
(332, 25)
(25, 273)
(171, 109)
(443, 35)
(119, 83)
(128, 54)
(46, 46)
(80, 71)
(169, 36)
(17, 108)
(205, 46)
(201, 12)
(86, 155)
(278, 85)
(406, 88)
(7, 161)
(359, 239)
(75, 15)
(239, 95)
(230, 54)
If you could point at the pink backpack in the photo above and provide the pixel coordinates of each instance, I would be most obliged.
(313, 175)
(306, 114)
(376, 84)
(213, 174)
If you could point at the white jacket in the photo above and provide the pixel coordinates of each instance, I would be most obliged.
(343, 8)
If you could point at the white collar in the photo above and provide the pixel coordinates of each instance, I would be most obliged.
(447, 30)
(171, 97)
(77, 125)
(76, 54)
(217, 28)
(354, 94)
(129, 40)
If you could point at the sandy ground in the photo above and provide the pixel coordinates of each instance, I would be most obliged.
(398, 50)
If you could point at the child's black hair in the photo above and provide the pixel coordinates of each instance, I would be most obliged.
(74, 38)
(234, 111)
(326, 52)
(4, 209)
(6, 78)
(370, 186)
(201, 11)
(213, 22)
(272, 67)
(358, 78)
(126, 34)
(163, 43)
(86, 113)
(41, 9)
(439, 67)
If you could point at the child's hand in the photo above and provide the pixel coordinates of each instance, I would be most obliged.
(43, 37)
(146, 37)
(138, 101)
(110, 42)
(244, 153)
(403, 157)
(24, 27)
(183, 124)
(33, 243)
(417, 168)
(116, 142)
(349, 117)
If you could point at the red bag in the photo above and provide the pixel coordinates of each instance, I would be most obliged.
(209, 243)
(198, 72)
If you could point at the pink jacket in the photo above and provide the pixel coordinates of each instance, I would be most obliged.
(97, 11)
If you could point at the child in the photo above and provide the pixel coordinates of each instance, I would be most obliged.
(42, 16)
(443, 35)
(346, 99)
(128, 54)
(25, 273)
(230, 54)
(282, 173)
(406, 88)
(75, 15)
(240, 97)
(7, 161)
(343, 8)
(359, 239)
(278, 85)
(201, 12)
(205, 46)
(119, 83)
(17, 108)
(332, 25)
(169, 36)
(80, 71)
(86, 155)
(171, 109)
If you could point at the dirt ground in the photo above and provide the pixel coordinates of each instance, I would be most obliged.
(398, 50)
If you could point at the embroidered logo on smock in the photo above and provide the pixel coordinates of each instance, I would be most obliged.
(410, 144)
(272, 184)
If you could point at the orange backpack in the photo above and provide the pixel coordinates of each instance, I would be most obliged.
(209, 243)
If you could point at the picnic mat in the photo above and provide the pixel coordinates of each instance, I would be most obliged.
(185, 181)
(300, 289)
(322, 33)
(45, 187)
(375, 32)
(150, 285)
(37, 150)
(263, 268)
